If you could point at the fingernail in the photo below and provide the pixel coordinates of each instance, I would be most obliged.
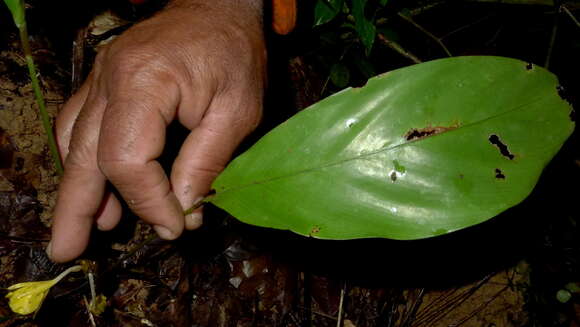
(49, 250)
(193, 220)
(164, 232)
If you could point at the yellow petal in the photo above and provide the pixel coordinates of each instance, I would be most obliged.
(26, 298)
(99, 305)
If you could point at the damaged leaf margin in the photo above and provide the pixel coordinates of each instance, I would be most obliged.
(340, 172)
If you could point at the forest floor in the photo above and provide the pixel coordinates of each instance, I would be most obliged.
(505, 272)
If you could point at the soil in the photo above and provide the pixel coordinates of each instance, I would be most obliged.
(501, 273)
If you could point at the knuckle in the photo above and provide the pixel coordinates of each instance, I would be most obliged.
(80, 154)
(207, 170)
(117, 170)
(136, 62)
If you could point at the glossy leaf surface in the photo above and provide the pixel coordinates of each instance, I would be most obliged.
(417, 152)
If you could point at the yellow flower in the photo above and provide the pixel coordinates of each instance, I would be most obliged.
(26, 298)
(98, 305)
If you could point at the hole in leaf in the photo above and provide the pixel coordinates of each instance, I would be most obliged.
(419, 133)
(499, 174)
(529, 66)
(503, 149)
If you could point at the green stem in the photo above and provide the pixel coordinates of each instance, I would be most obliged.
(40, 99)
(66, 272)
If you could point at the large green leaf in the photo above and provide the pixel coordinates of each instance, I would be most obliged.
(17, 9)
(417, 152)
(326, 10)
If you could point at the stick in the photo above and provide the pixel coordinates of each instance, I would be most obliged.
(552, 42)
(340, 305)
(395, 46)
(565, 9)
(426, 32)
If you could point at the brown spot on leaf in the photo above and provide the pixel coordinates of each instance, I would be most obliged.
(420, 133)
(499, 174)
(315, 230)
(503, 149)
(394, 176)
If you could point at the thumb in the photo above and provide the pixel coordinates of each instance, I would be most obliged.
(205, 153)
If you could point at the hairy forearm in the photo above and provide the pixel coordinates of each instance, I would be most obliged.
(253, 6)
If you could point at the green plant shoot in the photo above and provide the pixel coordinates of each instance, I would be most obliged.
(17, 9)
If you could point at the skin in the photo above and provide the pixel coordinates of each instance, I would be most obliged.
(200, 62)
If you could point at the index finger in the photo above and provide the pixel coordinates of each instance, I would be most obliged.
(132, 137)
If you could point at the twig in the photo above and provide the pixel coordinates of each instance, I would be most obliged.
(307, 299)
(322, 314)
(414, 308)
(552, 42)
(437, 311)
(91, 318)
(23, 240)
(340, 305)
(415, 11)
(565, 9)
(91, 278)
(459, 29)
(395, 46)
(426, 32)
(481, 307)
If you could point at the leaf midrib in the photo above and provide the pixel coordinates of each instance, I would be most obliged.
(367, 154)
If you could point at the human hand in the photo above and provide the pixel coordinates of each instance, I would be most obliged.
(200, 62)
